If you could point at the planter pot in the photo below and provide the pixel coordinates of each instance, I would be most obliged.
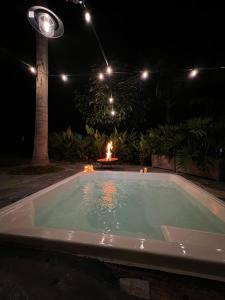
(163, 162)
(216, 171)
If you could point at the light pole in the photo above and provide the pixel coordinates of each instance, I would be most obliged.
(47, 25)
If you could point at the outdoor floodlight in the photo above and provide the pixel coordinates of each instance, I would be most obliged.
(45, 22)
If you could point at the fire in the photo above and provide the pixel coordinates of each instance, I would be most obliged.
(109, 148)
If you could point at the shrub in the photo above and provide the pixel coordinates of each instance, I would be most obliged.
(199, 140)
(144, 149)
(98, 141)
(64, 145)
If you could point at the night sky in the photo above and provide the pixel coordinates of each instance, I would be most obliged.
(140, 34)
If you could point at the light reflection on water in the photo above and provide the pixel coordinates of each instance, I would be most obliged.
(103, 212)
(108, 199)
(107, 196)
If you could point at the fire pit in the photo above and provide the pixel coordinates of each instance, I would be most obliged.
(108, 160)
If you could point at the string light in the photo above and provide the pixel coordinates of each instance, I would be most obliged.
(144, 75)
(111, 100)
(64, 77)
(193, 73)
(109, 70)
(101, 76)
(87, 17)
(47, 22)
(33, 70)
(47, 26)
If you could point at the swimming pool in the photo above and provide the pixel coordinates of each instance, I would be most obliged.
(153, 220)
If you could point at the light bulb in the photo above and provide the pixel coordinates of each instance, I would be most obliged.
(193, 73)
(109, 70)
(113, 112)
(64, 77)
(33, 70)
(46, 24)
(87, 17)
(144, 74)
(111, 100)
(101, 76)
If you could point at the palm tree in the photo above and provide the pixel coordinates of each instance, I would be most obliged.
(40, 151)
(52, 29)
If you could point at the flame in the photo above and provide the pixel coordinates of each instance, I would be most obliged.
(109, 148)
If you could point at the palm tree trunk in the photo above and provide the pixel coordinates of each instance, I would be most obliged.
(40, 151)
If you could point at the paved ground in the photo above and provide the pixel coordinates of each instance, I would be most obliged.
(31, 274)
(35, 275)
(15, 187)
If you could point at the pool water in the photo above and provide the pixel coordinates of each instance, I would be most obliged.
(123, 204)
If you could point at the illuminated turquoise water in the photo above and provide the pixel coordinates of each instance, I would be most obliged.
(124, 204)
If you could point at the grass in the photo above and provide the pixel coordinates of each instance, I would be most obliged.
(35, 170)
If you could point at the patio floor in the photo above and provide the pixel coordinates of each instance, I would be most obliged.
(33, 274)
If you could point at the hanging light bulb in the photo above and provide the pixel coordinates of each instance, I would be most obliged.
(101, 76)
(109, 70)
(144, 74)
(193, 73)
(64, 77)
(111, 99)
(33, 70)
(87, 17)
(113, 112)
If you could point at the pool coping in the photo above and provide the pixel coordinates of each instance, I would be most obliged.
(170, 256)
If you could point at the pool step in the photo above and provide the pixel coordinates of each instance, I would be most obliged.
(183, 235)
